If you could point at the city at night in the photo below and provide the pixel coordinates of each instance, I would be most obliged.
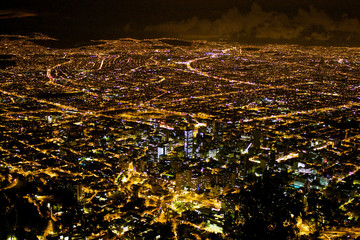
(179, 120)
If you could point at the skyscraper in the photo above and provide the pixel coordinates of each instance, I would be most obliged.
(161, 150)
(188, 142)
(256, 139)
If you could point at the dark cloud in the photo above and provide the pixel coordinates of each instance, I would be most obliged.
(6, 14)
(281, 21)
(305, 25)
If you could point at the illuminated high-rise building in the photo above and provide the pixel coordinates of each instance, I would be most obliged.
(188, 142)
(161, 150)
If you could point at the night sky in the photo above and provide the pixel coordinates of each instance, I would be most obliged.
(263, 21)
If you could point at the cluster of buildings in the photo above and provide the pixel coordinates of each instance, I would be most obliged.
(159, 132)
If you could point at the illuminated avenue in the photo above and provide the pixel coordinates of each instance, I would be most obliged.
(172, 139)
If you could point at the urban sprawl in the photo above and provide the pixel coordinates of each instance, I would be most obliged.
(173, 139)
